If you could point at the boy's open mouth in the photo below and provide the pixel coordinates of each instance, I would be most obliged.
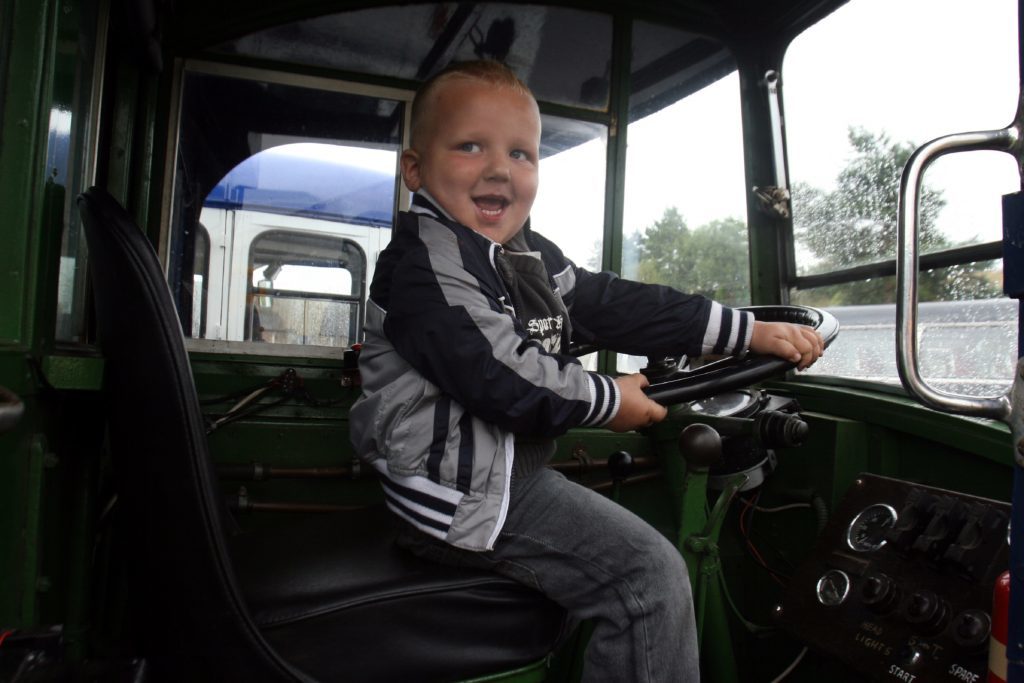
(491, 206)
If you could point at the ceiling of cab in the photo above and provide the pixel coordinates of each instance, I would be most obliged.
(563, 53)
(198, 24)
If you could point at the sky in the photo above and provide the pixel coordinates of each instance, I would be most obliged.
(929, 69)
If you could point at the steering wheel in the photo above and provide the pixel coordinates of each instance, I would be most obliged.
(732, 372)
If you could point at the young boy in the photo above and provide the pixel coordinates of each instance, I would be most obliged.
(465, 386)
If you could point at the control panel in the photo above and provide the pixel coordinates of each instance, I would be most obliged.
(899, 585)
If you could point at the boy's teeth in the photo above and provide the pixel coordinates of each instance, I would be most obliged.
(490, 206)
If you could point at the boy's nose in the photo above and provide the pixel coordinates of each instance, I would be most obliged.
(498, 169)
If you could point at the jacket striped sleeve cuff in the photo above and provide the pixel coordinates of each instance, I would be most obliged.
(728, 332)
(604, 400)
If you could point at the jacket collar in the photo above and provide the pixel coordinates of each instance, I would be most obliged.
(423, 203)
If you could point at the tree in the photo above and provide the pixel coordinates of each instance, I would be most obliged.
(710, 260)
(630, 244)
(856, 224)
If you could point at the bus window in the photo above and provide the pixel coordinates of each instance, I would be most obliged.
(305, 289)
(273, 156)
(854, 112)
(684, 220)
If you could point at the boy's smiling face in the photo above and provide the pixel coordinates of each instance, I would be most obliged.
(476, 151)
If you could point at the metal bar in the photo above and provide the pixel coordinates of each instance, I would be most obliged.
(638, 479)
(771, 81)
(718, 649)
(580, 467)
(1006, 140)
(768, 230)
(939, 259)
(615, 158)
(296, 294)
(245, 504)
(1010, 407)
(258, 472)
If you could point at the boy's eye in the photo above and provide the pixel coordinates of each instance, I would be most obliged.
(469, 147)
(521, 155)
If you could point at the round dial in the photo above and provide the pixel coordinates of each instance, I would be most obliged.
(728, 404)
(833, 587)
(866, 532)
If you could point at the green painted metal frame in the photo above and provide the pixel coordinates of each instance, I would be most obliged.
(30, 28)
(24, 131)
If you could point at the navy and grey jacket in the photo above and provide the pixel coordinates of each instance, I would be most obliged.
(450, 375)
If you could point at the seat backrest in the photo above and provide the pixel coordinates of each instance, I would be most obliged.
(192, 617)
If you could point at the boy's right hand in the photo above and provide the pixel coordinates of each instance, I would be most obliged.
(635, 409)
(796, 343)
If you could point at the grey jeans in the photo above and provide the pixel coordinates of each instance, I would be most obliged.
(600, 562)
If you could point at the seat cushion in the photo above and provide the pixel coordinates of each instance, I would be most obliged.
(338, 599)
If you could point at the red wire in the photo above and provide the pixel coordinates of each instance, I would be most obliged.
(3, 636)
(748, 504)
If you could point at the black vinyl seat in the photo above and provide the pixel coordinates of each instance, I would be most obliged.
(330, 598)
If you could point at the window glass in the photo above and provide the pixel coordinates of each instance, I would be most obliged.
(569, 209)
(685, 206)
(70, 156)
(297, 200)
(854, 114)
(564, 55)
(965, 347)
(305, 289)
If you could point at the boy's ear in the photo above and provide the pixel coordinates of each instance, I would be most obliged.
(410, 163)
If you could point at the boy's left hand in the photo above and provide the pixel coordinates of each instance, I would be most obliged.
(797, 343)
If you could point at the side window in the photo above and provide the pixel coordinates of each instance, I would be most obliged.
(684, 222)
(854, 114)
(296, 194)
(71, 154)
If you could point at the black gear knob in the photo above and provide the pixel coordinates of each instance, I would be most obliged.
(620, 465)
(700, 445)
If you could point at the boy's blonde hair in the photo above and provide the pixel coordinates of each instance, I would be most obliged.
(484, 70)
